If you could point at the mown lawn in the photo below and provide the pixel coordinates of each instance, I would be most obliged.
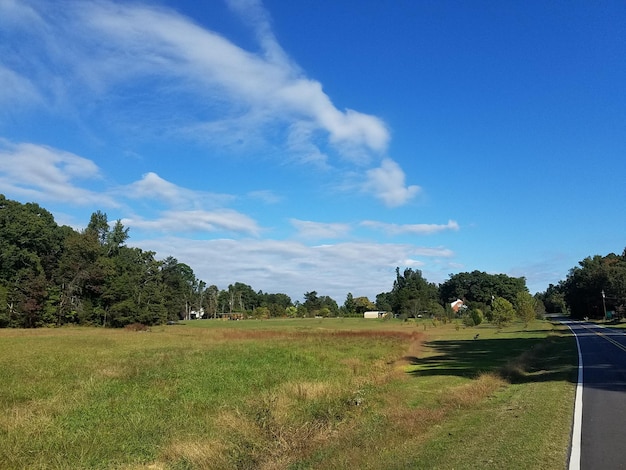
(287, 394)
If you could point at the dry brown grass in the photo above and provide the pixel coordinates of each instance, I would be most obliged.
(306, 390)
(242, 335)
(262, 441)
(277, 429)
(355, 364)
(413, 351)
(373, 334)
(470, 394)
(147, 466)
(413, 421)
(35, 416)
(110, 372)
(137, 327)
(333, 334)
(196, 453)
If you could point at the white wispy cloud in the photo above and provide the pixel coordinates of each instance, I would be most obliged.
(116, 43)
(415, 229)
(320, 230)
(265, 195)
(151, 186)
(294, 268)
(182, 221)
(300, 144)
(16, 12)
(257, 17)
(241, 100)
(16, 89)
(43, 173)
(388, 184)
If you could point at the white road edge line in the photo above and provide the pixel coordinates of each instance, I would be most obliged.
(574, 459)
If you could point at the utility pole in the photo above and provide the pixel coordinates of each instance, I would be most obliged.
(603, 304)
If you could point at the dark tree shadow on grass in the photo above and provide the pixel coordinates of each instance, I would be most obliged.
(517, 359)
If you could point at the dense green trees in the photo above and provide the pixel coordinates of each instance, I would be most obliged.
(481, 288)
(597, 284)
(553, 299)
(30, 246)
(54, 275)
(411, 296)
(277, 304)
(356, 307)
(51, 275)
(318, 306)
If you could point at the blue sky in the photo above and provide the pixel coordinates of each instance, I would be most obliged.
(318, 145)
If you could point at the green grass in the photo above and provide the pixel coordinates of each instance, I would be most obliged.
(298, 394)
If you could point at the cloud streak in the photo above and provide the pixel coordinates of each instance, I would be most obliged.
(298, 268)
(43, 173)
(16, 89)
(113, 43)
(223, 220)
(319, 230)
(152, 187)
(105, 49)
(411, 229)
(387, 183)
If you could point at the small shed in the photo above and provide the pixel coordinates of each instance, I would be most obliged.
(374, 314)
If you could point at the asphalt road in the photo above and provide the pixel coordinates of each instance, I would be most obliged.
(603, 429)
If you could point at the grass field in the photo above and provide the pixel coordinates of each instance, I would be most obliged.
(287, 394)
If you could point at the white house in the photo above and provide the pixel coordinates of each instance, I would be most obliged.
(195, 314)
(457, 305)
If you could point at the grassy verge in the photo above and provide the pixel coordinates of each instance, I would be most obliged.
(290, 394)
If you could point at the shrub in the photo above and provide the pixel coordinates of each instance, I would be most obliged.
(137, 327)
(468, 320)
(477, 316)
(503, 312)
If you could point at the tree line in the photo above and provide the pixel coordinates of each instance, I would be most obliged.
(595, 288)
(55, 275)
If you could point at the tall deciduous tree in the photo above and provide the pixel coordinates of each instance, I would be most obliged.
(412, 294)
(179, 285)
(116, 238)
(30, 245)
(363, 304)
(98, 226)
(312, 302)
(210, 303)
(349, 306)
(276, 303)
(383, 301)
